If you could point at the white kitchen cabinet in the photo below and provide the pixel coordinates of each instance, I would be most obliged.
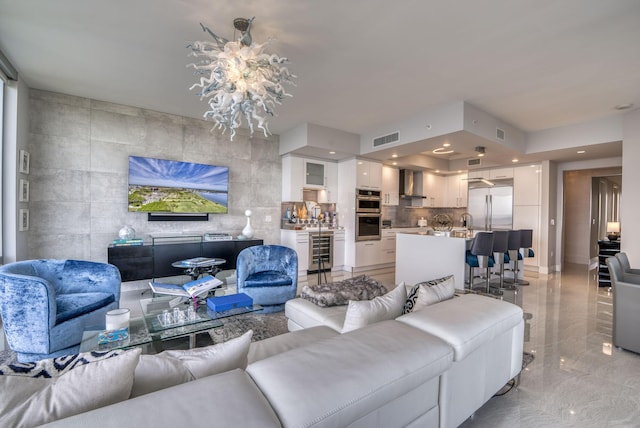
(368, 253)
(300, 173)
(390, 186)
(498, 173)
(456, 195)
(388, 246)
(368, 175)
(292, 179)
(434, 189)
(329, 194)
(338, 249)
(526, 185)
(297, 240)
(478, 174)
(314, 174)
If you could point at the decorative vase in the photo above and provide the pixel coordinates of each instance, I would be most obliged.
(247, 232)
(127, 232)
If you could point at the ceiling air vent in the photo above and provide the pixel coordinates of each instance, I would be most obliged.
(500, 134)
(391, 138)
(474, 162)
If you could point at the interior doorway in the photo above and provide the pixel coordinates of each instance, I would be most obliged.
(591, 199)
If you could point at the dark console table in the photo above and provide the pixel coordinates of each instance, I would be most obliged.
(154, 261)
(606, 249)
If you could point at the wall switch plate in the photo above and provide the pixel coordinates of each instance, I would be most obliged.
(267, 219)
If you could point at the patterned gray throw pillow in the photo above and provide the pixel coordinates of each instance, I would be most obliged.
(429, 292)
(339, 293)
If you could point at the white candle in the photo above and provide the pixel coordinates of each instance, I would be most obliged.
(117, 319)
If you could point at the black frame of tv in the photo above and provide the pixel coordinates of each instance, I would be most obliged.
(177, 217)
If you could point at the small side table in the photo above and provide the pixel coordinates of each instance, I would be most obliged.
(199, 265)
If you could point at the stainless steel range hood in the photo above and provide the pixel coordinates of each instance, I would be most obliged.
(410, 184)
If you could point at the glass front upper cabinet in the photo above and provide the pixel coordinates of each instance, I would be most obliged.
(314, 174)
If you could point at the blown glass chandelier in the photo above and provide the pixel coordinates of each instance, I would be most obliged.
(239, 79)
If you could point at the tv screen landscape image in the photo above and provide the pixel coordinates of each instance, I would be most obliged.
(166, 186)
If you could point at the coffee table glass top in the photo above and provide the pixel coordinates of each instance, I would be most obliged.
(149, 328)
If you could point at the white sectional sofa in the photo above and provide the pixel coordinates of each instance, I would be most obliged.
(485, 334)
(431, 368)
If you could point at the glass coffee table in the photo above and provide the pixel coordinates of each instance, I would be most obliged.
(153, 327)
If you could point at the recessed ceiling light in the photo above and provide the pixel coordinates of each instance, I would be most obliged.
(446, 144)
(480, 155)
(394, 163)
(394, 155)
(581, 151)
(624, 106)
(459, 171)
(442, 151)
(437, 170)
(332, 153)
(514, 160)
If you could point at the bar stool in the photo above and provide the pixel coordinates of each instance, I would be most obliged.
(500, 247)
(513, 251)
(526, 242)
(479, 256)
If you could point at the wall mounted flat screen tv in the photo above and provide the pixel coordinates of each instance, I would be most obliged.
(166, 186)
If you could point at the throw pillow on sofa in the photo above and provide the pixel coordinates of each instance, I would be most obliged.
(365, 312)
(427, 293)
(35, 393)
(361, 287)
(169, 368)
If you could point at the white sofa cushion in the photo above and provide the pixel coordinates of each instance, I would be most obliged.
(343, 378)
(466, 322)
(35, 393)
(229, 399)
(168, 368)
(284, 342)
(364, 312)
(305, 314)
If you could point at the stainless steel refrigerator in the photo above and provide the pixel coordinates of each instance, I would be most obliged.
(491, 206)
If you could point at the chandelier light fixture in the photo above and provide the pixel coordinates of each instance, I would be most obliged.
(239, 79)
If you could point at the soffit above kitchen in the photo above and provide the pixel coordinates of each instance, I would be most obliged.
(445, 139)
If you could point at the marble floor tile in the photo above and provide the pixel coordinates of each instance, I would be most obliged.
(577, 379)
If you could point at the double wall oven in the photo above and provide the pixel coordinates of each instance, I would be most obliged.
(368, 215)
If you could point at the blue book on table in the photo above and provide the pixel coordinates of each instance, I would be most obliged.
(231, 301)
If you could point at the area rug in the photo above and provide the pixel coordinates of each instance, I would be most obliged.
(264, 326)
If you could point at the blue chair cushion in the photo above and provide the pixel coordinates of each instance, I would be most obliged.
(269, 278)
(73, 305)
(472, 260)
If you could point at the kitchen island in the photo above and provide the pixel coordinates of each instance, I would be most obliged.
(422, 257)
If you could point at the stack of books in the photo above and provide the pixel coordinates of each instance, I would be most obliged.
(217, 237)
(125, 242)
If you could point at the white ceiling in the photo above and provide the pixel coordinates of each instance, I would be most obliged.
(534, 64)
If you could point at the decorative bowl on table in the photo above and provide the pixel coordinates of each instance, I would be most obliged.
(442, 222)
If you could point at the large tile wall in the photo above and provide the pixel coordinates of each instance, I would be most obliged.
(79, 164)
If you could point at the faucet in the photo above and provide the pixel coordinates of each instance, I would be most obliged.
(467, 220)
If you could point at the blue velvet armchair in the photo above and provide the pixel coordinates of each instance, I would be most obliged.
(269, 274)
(46, 304)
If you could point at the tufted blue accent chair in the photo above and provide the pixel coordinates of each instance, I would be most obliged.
(46, 304)
(269, 274)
